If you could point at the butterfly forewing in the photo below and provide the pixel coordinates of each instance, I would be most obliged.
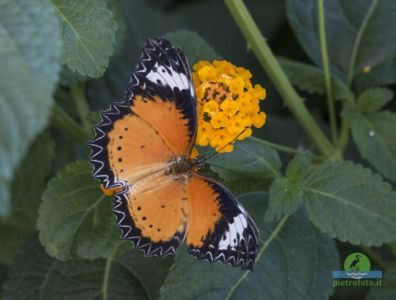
(135, 149)
(162, 93)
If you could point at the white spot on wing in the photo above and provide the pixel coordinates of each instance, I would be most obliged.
(224, 242)
(174, 79)
(237, 227)
(243, 220)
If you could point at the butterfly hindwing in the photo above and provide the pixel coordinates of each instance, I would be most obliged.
(219, 228)
(153, 214)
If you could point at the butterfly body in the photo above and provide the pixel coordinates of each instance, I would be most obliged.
(184, 166)
(143, 147)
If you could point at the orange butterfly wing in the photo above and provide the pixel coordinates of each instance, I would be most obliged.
(135, 149)
(153, 213)
(138, 139)
(219, 227)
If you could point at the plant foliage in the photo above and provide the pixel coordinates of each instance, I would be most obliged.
(62, 61)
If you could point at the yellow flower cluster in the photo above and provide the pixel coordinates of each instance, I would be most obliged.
(227, 104)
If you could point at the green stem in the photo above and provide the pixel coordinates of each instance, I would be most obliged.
(106, 275)
(77, 92)
(344, 134)
(326, 69)
(358, 39)
(268, 61)
(61, 120)
(281, 148)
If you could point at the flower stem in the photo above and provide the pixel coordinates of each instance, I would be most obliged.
(65, 123)
(77, 92)
(344, 134)
(358, 39)
(268, 61)
(325, 62)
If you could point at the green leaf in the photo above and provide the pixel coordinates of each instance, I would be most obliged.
(250, 159)
(35, 275)
(388, 289)
(250, 167)
(350, 203)
(285, 197)
(285, 194)
(69, 77)
(353, 24)
(193, 46)
(26, 196)
(374, 135)
(293, 257)
(311, 79)
(298, 166)
(75, 217)
(112, 86)
(374, 99)
(35, 30)
(119, 17)
(88, 29)
(30, 46)
(239, 186)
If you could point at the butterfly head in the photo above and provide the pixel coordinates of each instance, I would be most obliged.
(199, 163)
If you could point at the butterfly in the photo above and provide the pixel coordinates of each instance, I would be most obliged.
(142, 147)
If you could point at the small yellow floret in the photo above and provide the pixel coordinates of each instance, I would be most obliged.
(259, 120)
(236, 85)
(211, 107)
(259, 92)
(219, 120)
(229, 107)
(207, 73)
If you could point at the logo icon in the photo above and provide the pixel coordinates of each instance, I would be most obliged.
(357, 265)
(357, 272)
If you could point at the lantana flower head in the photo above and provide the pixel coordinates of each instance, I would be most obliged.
(227, 102)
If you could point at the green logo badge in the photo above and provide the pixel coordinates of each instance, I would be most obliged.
(357, 262)
(357, 272)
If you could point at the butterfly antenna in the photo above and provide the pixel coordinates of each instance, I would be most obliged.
(229, 143)
(231, 171)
